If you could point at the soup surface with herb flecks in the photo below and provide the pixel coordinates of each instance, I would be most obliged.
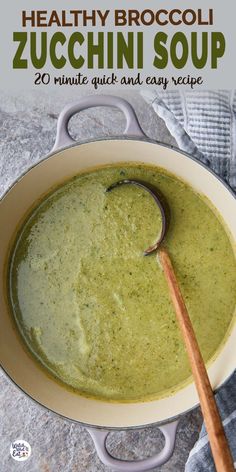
(96, 313)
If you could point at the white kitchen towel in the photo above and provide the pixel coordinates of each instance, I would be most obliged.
(204, 125)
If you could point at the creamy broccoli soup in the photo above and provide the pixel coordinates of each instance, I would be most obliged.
(93, 310)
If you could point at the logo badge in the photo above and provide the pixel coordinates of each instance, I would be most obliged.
(20, 450)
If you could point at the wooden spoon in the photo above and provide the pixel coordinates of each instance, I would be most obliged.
(218, 442)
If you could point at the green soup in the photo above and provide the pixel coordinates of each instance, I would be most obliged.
(93, 310)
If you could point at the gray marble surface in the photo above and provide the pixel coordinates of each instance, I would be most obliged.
(27, 133)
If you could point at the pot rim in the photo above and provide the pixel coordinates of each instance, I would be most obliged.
(112, 428)
(121, 138)
(88, 141)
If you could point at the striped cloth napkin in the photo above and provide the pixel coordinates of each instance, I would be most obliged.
(204, 125)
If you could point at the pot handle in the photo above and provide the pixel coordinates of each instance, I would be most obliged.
(63, 137)
(99, 438)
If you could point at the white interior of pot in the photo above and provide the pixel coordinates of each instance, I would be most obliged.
(16, 361)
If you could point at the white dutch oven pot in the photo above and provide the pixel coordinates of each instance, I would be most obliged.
(67, 159)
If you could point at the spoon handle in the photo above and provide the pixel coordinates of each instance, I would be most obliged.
(219, 445)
